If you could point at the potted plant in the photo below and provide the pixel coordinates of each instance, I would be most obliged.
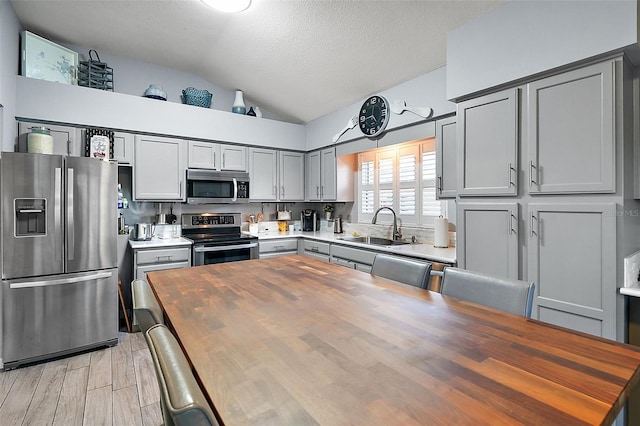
(328, 210)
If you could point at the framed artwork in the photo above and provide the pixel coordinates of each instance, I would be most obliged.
(98, 143)
(45, 60)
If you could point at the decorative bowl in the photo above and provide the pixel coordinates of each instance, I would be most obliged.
(155, 92)
(193, 96)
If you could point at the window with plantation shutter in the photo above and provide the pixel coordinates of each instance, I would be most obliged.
(402, 177)
(366, 162)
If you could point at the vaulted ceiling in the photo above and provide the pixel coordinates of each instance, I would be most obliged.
(300, 59)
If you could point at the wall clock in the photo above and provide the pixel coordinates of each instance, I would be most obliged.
(373, 116)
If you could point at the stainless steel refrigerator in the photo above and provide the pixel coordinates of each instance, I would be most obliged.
(59, 261)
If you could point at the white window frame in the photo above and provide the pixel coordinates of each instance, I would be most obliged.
(395, 153)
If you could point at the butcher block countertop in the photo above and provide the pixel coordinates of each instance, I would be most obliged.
(298, 341)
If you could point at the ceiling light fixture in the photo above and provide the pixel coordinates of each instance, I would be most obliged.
(229, 6)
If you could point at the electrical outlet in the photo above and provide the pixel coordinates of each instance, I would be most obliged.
(632, 270)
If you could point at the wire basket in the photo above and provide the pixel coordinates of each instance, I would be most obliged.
(192, 96)
(95, 74)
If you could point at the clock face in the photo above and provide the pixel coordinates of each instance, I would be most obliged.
(374, 116)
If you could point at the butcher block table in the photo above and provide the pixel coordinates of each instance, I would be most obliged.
(298, 341)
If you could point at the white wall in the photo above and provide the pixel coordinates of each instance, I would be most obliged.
(133, 77)
(9, 54)
(426, 90)
(522, 38)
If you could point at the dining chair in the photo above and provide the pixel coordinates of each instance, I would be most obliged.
(401, 269)
(145, 305)
(508, 295)
(181, 399)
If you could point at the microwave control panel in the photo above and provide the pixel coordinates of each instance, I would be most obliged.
(243, 189)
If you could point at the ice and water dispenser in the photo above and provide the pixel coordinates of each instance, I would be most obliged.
(30, 217)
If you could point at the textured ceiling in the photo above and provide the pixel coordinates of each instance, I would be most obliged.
(300, 59)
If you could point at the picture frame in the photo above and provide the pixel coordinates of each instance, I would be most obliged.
(99, 143)
(46, 60)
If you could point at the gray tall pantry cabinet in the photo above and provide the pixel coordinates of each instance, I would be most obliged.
(561, 212)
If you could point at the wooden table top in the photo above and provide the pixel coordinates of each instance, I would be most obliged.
(297, 341)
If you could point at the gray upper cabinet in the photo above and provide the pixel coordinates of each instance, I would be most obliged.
(312, 167)
(234, 157)
(291, 176)
(204, 155)
(446, 159)
(487, 146)
(487, 238)
(276, 175)
(66, 139)
(572, 260)
(263, 174)
(328, 181)
(571, 137)
(160, 169)
(123, 148)
(321, 175)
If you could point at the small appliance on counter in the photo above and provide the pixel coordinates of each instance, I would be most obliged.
(309, 220)
(142, 231)
(337, 225)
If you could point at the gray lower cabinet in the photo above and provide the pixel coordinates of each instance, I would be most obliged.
(487, 238)
(572, 260)
(446, 158)
(278, 247)
(318, 249)
(571, 137)
(487, 134)
(353, 258)
(158, 259)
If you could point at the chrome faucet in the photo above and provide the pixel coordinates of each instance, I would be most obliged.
(396, 234)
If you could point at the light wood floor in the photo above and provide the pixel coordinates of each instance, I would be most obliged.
(114, 386)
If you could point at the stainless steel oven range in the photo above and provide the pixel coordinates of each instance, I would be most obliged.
(217, 238)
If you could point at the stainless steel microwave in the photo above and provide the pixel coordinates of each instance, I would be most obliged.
(210, 187)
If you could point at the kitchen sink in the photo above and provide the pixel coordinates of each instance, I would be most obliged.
(376, 241)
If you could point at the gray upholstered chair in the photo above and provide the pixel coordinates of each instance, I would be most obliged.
(508, 295)
(181, 399)
(145, 306)
(404, 270)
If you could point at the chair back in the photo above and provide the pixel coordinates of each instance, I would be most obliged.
(404, 270)
(513, 296)
(181, 398)
(145, 306)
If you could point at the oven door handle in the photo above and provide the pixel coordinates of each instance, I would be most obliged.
(221, 248)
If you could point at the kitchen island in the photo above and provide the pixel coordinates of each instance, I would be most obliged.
(294, 340)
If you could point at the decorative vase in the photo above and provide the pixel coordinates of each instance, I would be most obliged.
(251, 112)
(258, 112)
(327, 215)
(238, 105)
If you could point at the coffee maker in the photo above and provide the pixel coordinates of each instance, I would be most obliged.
(309, 220)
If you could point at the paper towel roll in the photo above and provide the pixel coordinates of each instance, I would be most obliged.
(441, 232)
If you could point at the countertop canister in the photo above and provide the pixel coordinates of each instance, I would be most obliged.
(40, 141)
(441, 232)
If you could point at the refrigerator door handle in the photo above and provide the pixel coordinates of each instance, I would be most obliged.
(70, 226)
(57, 209)
(45, 283)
